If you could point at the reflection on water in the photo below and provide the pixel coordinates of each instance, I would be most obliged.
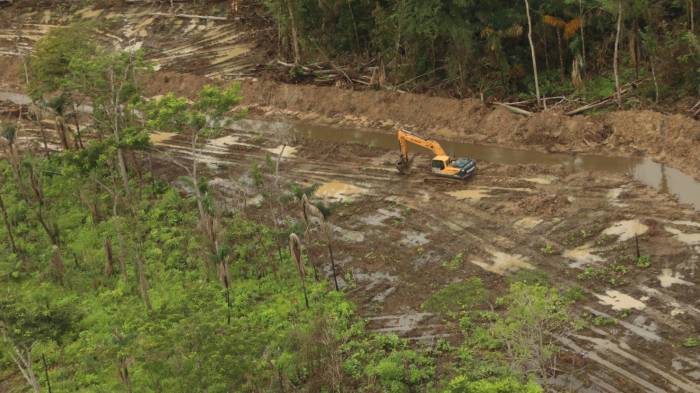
(661, 177)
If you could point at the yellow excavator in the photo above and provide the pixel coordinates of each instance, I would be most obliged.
(442, 164)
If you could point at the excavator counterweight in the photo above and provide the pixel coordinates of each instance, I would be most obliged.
(442, 164)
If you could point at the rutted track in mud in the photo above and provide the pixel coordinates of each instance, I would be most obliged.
(395, 232)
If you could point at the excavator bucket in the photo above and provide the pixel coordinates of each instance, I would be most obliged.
(404, 165)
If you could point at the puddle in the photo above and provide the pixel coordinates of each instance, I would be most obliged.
(661, 177)
(619, 301)
(160, 137)
(527, 223)
(339, 191)
(687, 238)
(583, 256)
(414, 239)
(474, 195)
(502, 263)
(668, 278)
(289, 151)
(626, 230)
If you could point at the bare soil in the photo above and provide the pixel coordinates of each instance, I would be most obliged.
(394, 234)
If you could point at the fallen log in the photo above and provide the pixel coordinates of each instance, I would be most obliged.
(514, 109)
(188, 16)
(587, 107)
(607, 100)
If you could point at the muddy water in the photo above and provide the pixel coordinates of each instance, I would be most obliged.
(644, 170)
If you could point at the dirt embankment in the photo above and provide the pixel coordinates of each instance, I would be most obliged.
(673, 139)
(670, 138)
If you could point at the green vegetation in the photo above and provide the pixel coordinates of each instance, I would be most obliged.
(643, 261)
(113, 279)
(473, 48)
(457, 298)
(691, 342)
(455, 263)
(602, 320)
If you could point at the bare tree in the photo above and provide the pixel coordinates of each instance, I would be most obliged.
(617, 54)
(22, 358)
(294, 32)
(532, 52)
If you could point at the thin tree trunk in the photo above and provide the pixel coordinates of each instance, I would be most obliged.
(109, 258)
(295, 33)
(656, 84)
(8, 226)
(24, 364)
(143, 281)
(122, 258)
(616, 55)
(76, 120)
(562, 70)
(691, 11)
(532, 52)
(61, 130)
(46, 373)
(583, 35)
(335, 275)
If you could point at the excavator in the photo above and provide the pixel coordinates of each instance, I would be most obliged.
(442, 164)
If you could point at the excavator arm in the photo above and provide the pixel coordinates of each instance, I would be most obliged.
(406, 137)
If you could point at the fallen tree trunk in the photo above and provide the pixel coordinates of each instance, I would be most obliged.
(514, 109)
(188, 16)
(607, 100)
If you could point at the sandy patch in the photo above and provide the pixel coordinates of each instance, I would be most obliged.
(160, 137)
(583, 255)
(338, 191)
(527, 223)
(626, 230)
(619, 301)
(687, 238)
(502, 263)
(287, 151)
(668, 278)
(473, 195)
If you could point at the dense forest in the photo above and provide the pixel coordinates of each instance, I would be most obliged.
(542, 48)
(115, 278)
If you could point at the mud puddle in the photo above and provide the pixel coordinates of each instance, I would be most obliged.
(659, 176)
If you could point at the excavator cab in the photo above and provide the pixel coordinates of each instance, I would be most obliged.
(439, 163)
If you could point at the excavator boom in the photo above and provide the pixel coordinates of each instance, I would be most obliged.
(406, 137)
(442, 164)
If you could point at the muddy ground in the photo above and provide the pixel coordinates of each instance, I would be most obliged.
(397, 237)
(189, 53)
